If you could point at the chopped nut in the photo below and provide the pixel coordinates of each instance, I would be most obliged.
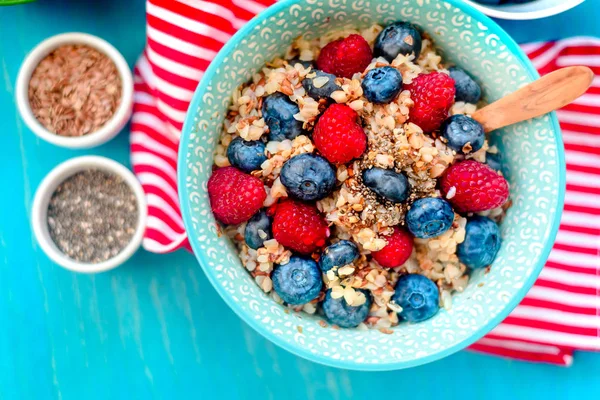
(356, 105)
(331, 275)
(451, 193)
(339, 96)
(278, 190)
(320, 81)
(346, 270)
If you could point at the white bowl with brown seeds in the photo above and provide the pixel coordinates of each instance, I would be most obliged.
(75, 90)
(90, 258)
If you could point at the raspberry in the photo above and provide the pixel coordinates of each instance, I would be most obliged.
(327, 59)
(338, 136)
(433, 95)
(397, 250)
(477, 187)
(345, 57)
(298, 226)
(234, 196)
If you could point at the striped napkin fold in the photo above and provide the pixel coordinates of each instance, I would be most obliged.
(560, 314)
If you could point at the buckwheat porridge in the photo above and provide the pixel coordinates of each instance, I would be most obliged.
(353, 180)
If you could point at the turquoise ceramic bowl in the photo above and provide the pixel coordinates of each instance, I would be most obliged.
(534, 166)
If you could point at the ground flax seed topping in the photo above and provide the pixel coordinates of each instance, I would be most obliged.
(74, 90)
(353, 211)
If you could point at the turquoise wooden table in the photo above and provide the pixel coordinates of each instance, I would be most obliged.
(155, 328)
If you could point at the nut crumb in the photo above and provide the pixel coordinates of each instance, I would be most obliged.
(451, 193)
(467, 148)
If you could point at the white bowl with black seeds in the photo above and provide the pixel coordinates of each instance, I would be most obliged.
(75, 90)
(89, 214)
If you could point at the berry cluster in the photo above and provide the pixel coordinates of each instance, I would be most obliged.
(238, 196)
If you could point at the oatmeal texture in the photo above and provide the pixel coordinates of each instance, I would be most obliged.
(353, 211)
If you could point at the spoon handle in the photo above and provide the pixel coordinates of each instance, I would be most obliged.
(550, 92)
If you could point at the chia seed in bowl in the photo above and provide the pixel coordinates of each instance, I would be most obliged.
(92, 216)
(89, 214)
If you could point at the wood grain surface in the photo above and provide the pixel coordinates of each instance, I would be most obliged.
(155, 328)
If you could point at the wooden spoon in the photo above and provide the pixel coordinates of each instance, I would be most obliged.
(550, 92)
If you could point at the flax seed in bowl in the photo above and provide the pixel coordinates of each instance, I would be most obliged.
(75, 90)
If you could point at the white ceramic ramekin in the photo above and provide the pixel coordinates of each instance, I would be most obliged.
(39, 212)
(532, 10)
(112, 127)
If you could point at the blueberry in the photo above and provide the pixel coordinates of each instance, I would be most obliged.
(461, 130)
(246, 155)
(467, 89)
(308, 177)
(398, 38)
(387, 183)
(297, 282)
(481, 244)
(494, 160)
(429, 217)
(323, 91)
(339, 254)
(278, 111)
(382, 85)
(340, 313)
(418, 296)
(305, 64)
(259, 222)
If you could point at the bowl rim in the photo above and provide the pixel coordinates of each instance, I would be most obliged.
(47, 187)
(527, 15)
(106, 132)
(302, 352)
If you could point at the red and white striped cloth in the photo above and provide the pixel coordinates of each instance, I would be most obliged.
(560, 314)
